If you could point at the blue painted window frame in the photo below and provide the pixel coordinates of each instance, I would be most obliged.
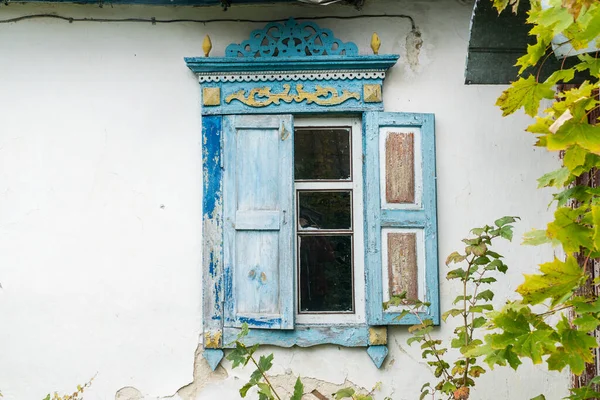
(248, 84)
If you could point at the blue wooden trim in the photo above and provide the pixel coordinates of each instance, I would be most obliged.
(221, 65)
(291, 39)
(280, 138)
(378, 354)
(212, 224)
(213, 357)
(376, 218)
(303, 336)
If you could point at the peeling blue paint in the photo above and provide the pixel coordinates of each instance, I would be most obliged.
(211, 155)
(304, 336)
(212, 224)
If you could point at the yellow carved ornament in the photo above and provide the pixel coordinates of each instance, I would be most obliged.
(262, 97)
(212, 340)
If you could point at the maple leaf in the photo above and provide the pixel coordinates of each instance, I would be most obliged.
(515, 326)
(524, 93)
(557, 281)
(567, 229)
(588, 62)
(574, 6)
(575, 132)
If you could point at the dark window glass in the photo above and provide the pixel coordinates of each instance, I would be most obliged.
(325, 273)
(322, 154)
(325, 210)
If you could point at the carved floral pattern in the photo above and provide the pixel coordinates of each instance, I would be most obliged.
(262, 96)
(292, 39)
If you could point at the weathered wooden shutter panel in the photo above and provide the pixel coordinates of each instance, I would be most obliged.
(400, 214)
(258, 221)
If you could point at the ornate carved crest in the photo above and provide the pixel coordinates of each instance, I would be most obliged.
(292, 39)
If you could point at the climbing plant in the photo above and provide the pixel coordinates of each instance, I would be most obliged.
(476, 269)
(563, 125)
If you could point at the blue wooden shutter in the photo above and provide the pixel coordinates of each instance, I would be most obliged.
(400, 214)
(258, 221)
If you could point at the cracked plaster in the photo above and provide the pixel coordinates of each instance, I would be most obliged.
(203, 376)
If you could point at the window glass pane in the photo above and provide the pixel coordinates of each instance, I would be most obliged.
(325, 273)
(322, 153)
(325, 210)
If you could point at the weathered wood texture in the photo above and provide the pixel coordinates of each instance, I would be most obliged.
(402, 264)
(258, 212)
(400, 168)
(379, 219)
(212, 231)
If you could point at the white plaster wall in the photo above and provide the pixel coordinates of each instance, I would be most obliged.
(100, 188)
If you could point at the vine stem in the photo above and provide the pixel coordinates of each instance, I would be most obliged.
(466, 317)
(263, 373)
(435, 350)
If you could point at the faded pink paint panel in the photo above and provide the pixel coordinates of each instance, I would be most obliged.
(400, 168)
(402, 264)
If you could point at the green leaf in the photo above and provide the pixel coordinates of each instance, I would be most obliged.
(245, 388)
(479, 322)
(476, 371)
(540, 397)
(560, 359)
(586, 323)
(344, 393)
(586, 306)
(506, 232)
(402, 314)
(481, 308)
(265, 363)
(494, 254)
(596, 225)
(575, 132)
(237, 356)
(255, 377)
(458, 273)
(535, 237)
(243, 332)
(576, 342)
(505, 220)
(448, 387)
(575, 157)
(524, 93)
(590, 63)
(558, 279)
(455, 258)
(485, 295)
(453, 312)
(561, 75)
(298, 390)
(533, 55)
(567, 229)
(265, 390)
(558, 178)
(482, 260)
